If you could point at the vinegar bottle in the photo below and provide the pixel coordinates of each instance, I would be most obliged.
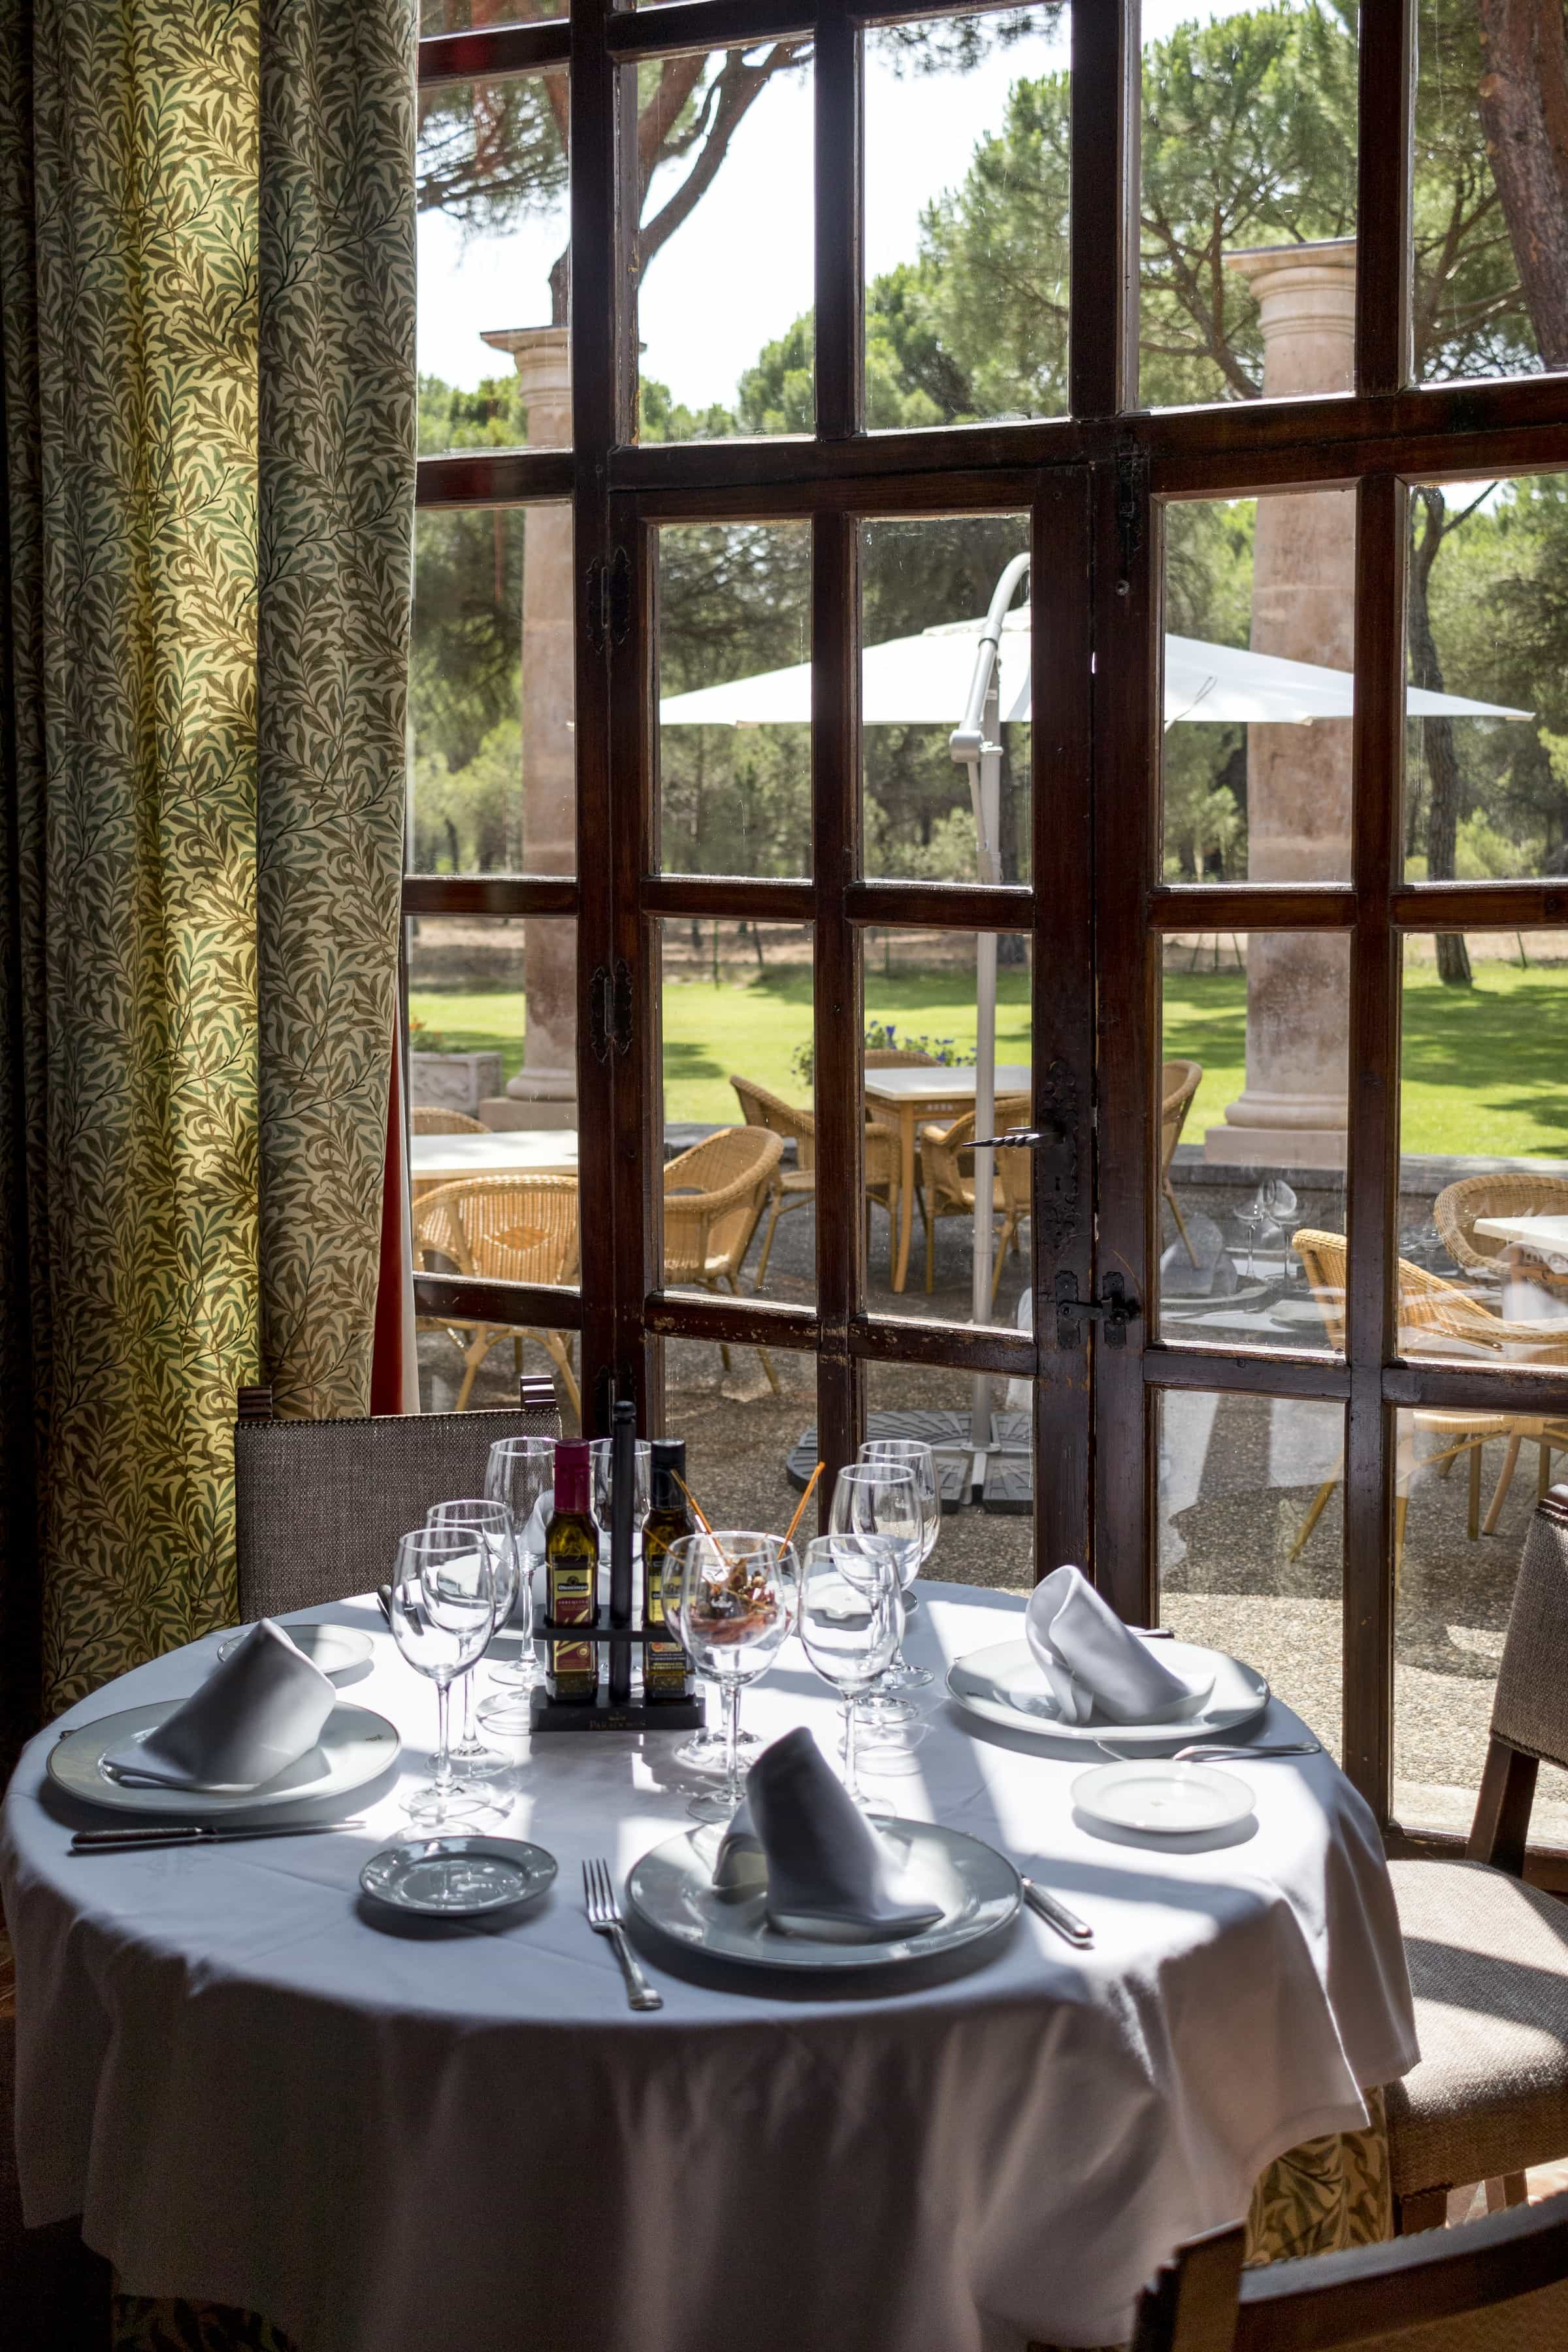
(571, 1575)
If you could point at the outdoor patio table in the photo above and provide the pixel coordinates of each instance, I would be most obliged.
(388, 2137)
(1536, 1262)
(525, 1151)
(916, 1096)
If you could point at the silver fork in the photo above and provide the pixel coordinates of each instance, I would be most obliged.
(1218, 1753)
(604, 1918)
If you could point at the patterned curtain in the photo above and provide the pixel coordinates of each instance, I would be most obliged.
(206, 214)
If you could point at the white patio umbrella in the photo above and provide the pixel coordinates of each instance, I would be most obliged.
(981, 669)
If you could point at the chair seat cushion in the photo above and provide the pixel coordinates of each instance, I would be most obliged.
(1489, 1968)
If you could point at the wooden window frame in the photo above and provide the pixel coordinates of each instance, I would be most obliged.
(1096, 483)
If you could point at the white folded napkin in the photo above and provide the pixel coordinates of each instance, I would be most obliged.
(828, 1876)
(1095, 1663)
(256, 1713)
(742, 1866)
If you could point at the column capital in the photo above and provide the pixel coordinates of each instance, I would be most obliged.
(1306, 300)
(542, 357)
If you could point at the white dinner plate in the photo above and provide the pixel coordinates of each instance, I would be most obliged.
(334, 1648)
(458, 1877)
(1164, 1799)
(672, 1889)
(356, 1746)
(1004, 1684)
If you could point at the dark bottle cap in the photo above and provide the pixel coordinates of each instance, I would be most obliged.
(667, 1465)
(572, 1474)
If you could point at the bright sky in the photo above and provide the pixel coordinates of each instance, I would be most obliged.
(739, 270)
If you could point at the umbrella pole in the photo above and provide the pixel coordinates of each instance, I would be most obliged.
(990, 797)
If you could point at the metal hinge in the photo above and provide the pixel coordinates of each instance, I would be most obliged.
(607, 589)
(1115, 1307)
(610, 1011)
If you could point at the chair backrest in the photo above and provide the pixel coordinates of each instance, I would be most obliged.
(940, 1156)
(896, 1057)
(713, 1196)
(1179, 1082)
(506, 1228)
(1530, 1710)
(1510, 1192)
(428, 1119)
(320, 1505)
(761, 1108)
(1495, 2286)
(1426, 1303)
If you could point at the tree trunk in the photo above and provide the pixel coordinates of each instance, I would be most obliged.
(1438, 736)
(1524, 113)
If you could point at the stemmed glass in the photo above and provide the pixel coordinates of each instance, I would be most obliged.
(883, 1498)
(735, 1595)
(521, 1473)
(850, 1629)
(489, 1522)
(442, 1608)
(599, 1455)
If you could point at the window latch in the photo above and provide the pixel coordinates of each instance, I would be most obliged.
(1115, 1307)
(610, 1010)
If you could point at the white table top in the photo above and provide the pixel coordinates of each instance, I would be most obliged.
(387, 2135)
(934, 1083)
(534, 1151)
(1546, 1234)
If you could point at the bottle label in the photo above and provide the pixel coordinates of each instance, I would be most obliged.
(573, 1600)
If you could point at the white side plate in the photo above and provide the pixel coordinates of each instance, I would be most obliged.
(1163, 1799)
(1003, 1684)
(357, 1747)
(454, 1877)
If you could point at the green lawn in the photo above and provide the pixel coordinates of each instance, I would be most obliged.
(1485, 1069)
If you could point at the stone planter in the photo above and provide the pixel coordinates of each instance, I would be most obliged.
(453, 1081)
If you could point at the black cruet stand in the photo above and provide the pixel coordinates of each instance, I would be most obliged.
(618, 1704)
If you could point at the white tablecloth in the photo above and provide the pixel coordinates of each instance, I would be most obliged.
(257, 2090)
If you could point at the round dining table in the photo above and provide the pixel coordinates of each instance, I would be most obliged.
(260, 2088)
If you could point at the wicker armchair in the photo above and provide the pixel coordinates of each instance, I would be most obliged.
(1429, 1304)
(946, 1191)
(507, 1229)
(896, 1057)
(1508, 1194)
(430, 1119)
(1179, 1082)
(791, 1187)
(713, 1200)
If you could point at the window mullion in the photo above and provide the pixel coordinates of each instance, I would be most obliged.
(1382, 197)
(1103, 332)
(840, 333)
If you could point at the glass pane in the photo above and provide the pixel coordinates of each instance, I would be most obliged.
(1251, 1540)
(1254, 1082)
(493, 786)
(987, 1530)
(725, 286)
(741, 1435)
(1488, 296)
(735, 678)
(929, 1253)
(1259, 607)
(738, 1102)
(1247, 203)
(1466, 1487)
(925, 589)
(1483, 1209)
(1486, 731)
(494, 224)
(475, 15)
(967, 162)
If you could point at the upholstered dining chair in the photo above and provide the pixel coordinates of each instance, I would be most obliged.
(505, 1229)
(792, 1187)
(714, 1196)
(1499, 2285)
(319, 1504)
(1488, 1955)
(1510, 1192)
(1179, 1082)
(1429, 1304)
(946, 1191)
(429, 1119)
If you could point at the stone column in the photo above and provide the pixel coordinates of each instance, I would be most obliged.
(542, 357)
(1293, 1111)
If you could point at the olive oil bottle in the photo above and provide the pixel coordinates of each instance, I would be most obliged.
(571, 1575)
(669, 1519)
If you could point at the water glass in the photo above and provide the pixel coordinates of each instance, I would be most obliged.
(442, 1604)
(883, 1498)
(521, 1473)
(849, 1628)
(734, 1603)
(490, 1523)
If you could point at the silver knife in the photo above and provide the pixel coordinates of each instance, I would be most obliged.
(131, 1840)
(1057, 1914)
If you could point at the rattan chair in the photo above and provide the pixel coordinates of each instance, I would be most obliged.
(896, 1057)
(946, 1191)
(504, 1229)
(1179, 1082)
(1431, 1307)
(1488, 1955)
(792, 1187)
(319, 1504)
(714, 1196)
(1499, 2285)
(430, 1119)
(1510, 1192)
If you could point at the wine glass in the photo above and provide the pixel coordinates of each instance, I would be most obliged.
(849, 1628)
(915, 1455)
(734, 1607)
(442, 1608)
(883, 1498)
(599, 1450)
(521, 1473)
(489, 1522)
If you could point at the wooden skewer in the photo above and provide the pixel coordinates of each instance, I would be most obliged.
(697, 1513)
(800, 1507)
